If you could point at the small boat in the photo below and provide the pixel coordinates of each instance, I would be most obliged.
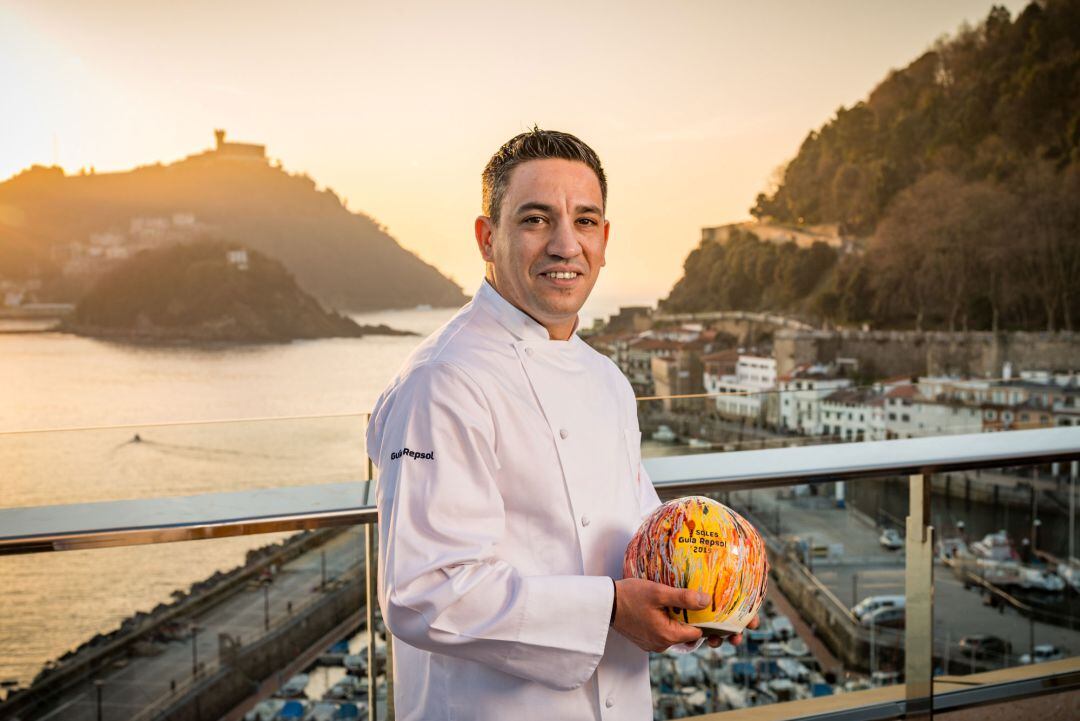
(265, 710)
(355, 662)
(699, 443)
(794, 670)
(797, 647)
(294, 686)
(291, 710)
(784, 689)
(664, 434)
(334, 655)
(322, 711)
(351, 711)
(995, 547)
(346, 688)
(1040, 579)
(1070, 573)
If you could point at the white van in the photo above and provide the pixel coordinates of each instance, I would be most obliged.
(873, 603)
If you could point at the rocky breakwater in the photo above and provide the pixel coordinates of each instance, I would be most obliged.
(207, 292)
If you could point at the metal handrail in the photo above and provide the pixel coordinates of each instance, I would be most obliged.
(216, 515)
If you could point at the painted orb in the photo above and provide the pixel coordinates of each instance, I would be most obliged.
(698, 543)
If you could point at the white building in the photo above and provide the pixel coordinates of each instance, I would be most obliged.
(800, 397)
(239, 258)
(742, 395)
(854, 414)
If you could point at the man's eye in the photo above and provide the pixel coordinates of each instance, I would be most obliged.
(534, 219)
(587, 221)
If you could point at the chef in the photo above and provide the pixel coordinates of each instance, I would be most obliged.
(510, 476)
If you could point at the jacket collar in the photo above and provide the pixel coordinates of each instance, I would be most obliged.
(512, 318)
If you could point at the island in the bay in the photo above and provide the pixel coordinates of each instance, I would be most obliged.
(207, 291)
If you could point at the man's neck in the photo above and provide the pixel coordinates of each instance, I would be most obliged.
(562, 330)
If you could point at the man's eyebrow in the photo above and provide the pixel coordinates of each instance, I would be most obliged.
(533, 205)
(545, 208)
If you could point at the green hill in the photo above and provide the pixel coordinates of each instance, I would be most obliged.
(194, 292)
(956, 183)
(344, 259)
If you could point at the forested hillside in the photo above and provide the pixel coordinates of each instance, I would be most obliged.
(957, 182)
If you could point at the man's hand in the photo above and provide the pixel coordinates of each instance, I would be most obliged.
(735, 640)
(641, 613)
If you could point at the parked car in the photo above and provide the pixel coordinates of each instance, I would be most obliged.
(1044, 652)
(891, 539)
(886, 617)
(982, 645)
(873, 603)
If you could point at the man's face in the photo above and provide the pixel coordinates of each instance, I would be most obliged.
(552, 222)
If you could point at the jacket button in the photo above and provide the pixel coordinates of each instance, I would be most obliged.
(610, 701)
(585, 520)
(528, 351)
(563, 433)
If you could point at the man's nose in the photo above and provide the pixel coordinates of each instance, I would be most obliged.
(563, 242)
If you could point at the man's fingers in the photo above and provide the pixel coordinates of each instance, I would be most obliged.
(754, 622)
(684, 598)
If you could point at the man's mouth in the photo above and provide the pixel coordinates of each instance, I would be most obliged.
(561, 274)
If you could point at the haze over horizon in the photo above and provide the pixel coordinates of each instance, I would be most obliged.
(691, 106)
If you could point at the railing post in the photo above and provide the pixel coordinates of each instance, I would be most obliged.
(919, 586)
(370, 566)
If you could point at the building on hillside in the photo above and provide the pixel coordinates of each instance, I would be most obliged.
(854, 414)
(232, 149)
(742, 394)
(800, 394)
(679, 373)
(237, 258)
(1066, 408)
(635, 318)
(638, 367)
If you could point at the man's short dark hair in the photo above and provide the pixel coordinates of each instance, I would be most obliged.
(535, 144)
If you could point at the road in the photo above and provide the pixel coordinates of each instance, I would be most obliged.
(141, 683)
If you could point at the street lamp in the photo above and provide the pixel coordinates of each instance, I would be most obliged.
(194, 650)
(98, 685)
(266, 606)
(1035, 535)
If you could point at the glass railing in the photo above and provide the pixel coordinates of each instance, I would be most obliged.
(271, 617)
(179, 459)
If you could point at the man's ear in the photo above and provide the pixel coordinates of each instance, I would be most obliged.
(607, 231)
(484, 229)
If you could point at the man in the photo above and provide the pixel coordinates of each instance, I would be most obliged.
(510, 477)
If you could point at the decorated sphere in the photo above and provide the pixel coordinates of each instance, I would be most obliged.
(698, 543)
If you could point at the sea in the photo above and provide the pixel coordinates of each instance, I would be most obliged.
(208, 419)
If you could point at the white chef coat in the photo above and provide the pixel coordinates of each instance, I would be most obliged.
(510, 482)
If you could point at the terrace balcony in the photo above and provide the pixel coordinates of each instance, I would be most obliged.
(233, 641)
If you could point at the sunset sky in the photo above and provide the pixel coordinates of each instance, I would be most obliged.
(398, 105)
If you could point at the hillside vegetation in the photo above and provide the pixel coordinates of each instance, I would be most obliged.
(957, 182)
(344, 259)
(192, 292)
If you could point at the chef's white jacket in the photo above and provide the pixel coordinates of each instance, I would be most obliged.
(510, 482)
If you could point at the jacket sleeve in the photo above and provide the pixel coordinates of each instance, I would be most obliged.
(442, 586)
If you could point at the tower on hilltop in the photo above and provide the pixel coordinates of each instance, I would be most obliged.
(224, 148)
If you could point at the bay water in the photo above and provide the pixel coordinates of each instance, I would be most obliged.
(208, 419)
